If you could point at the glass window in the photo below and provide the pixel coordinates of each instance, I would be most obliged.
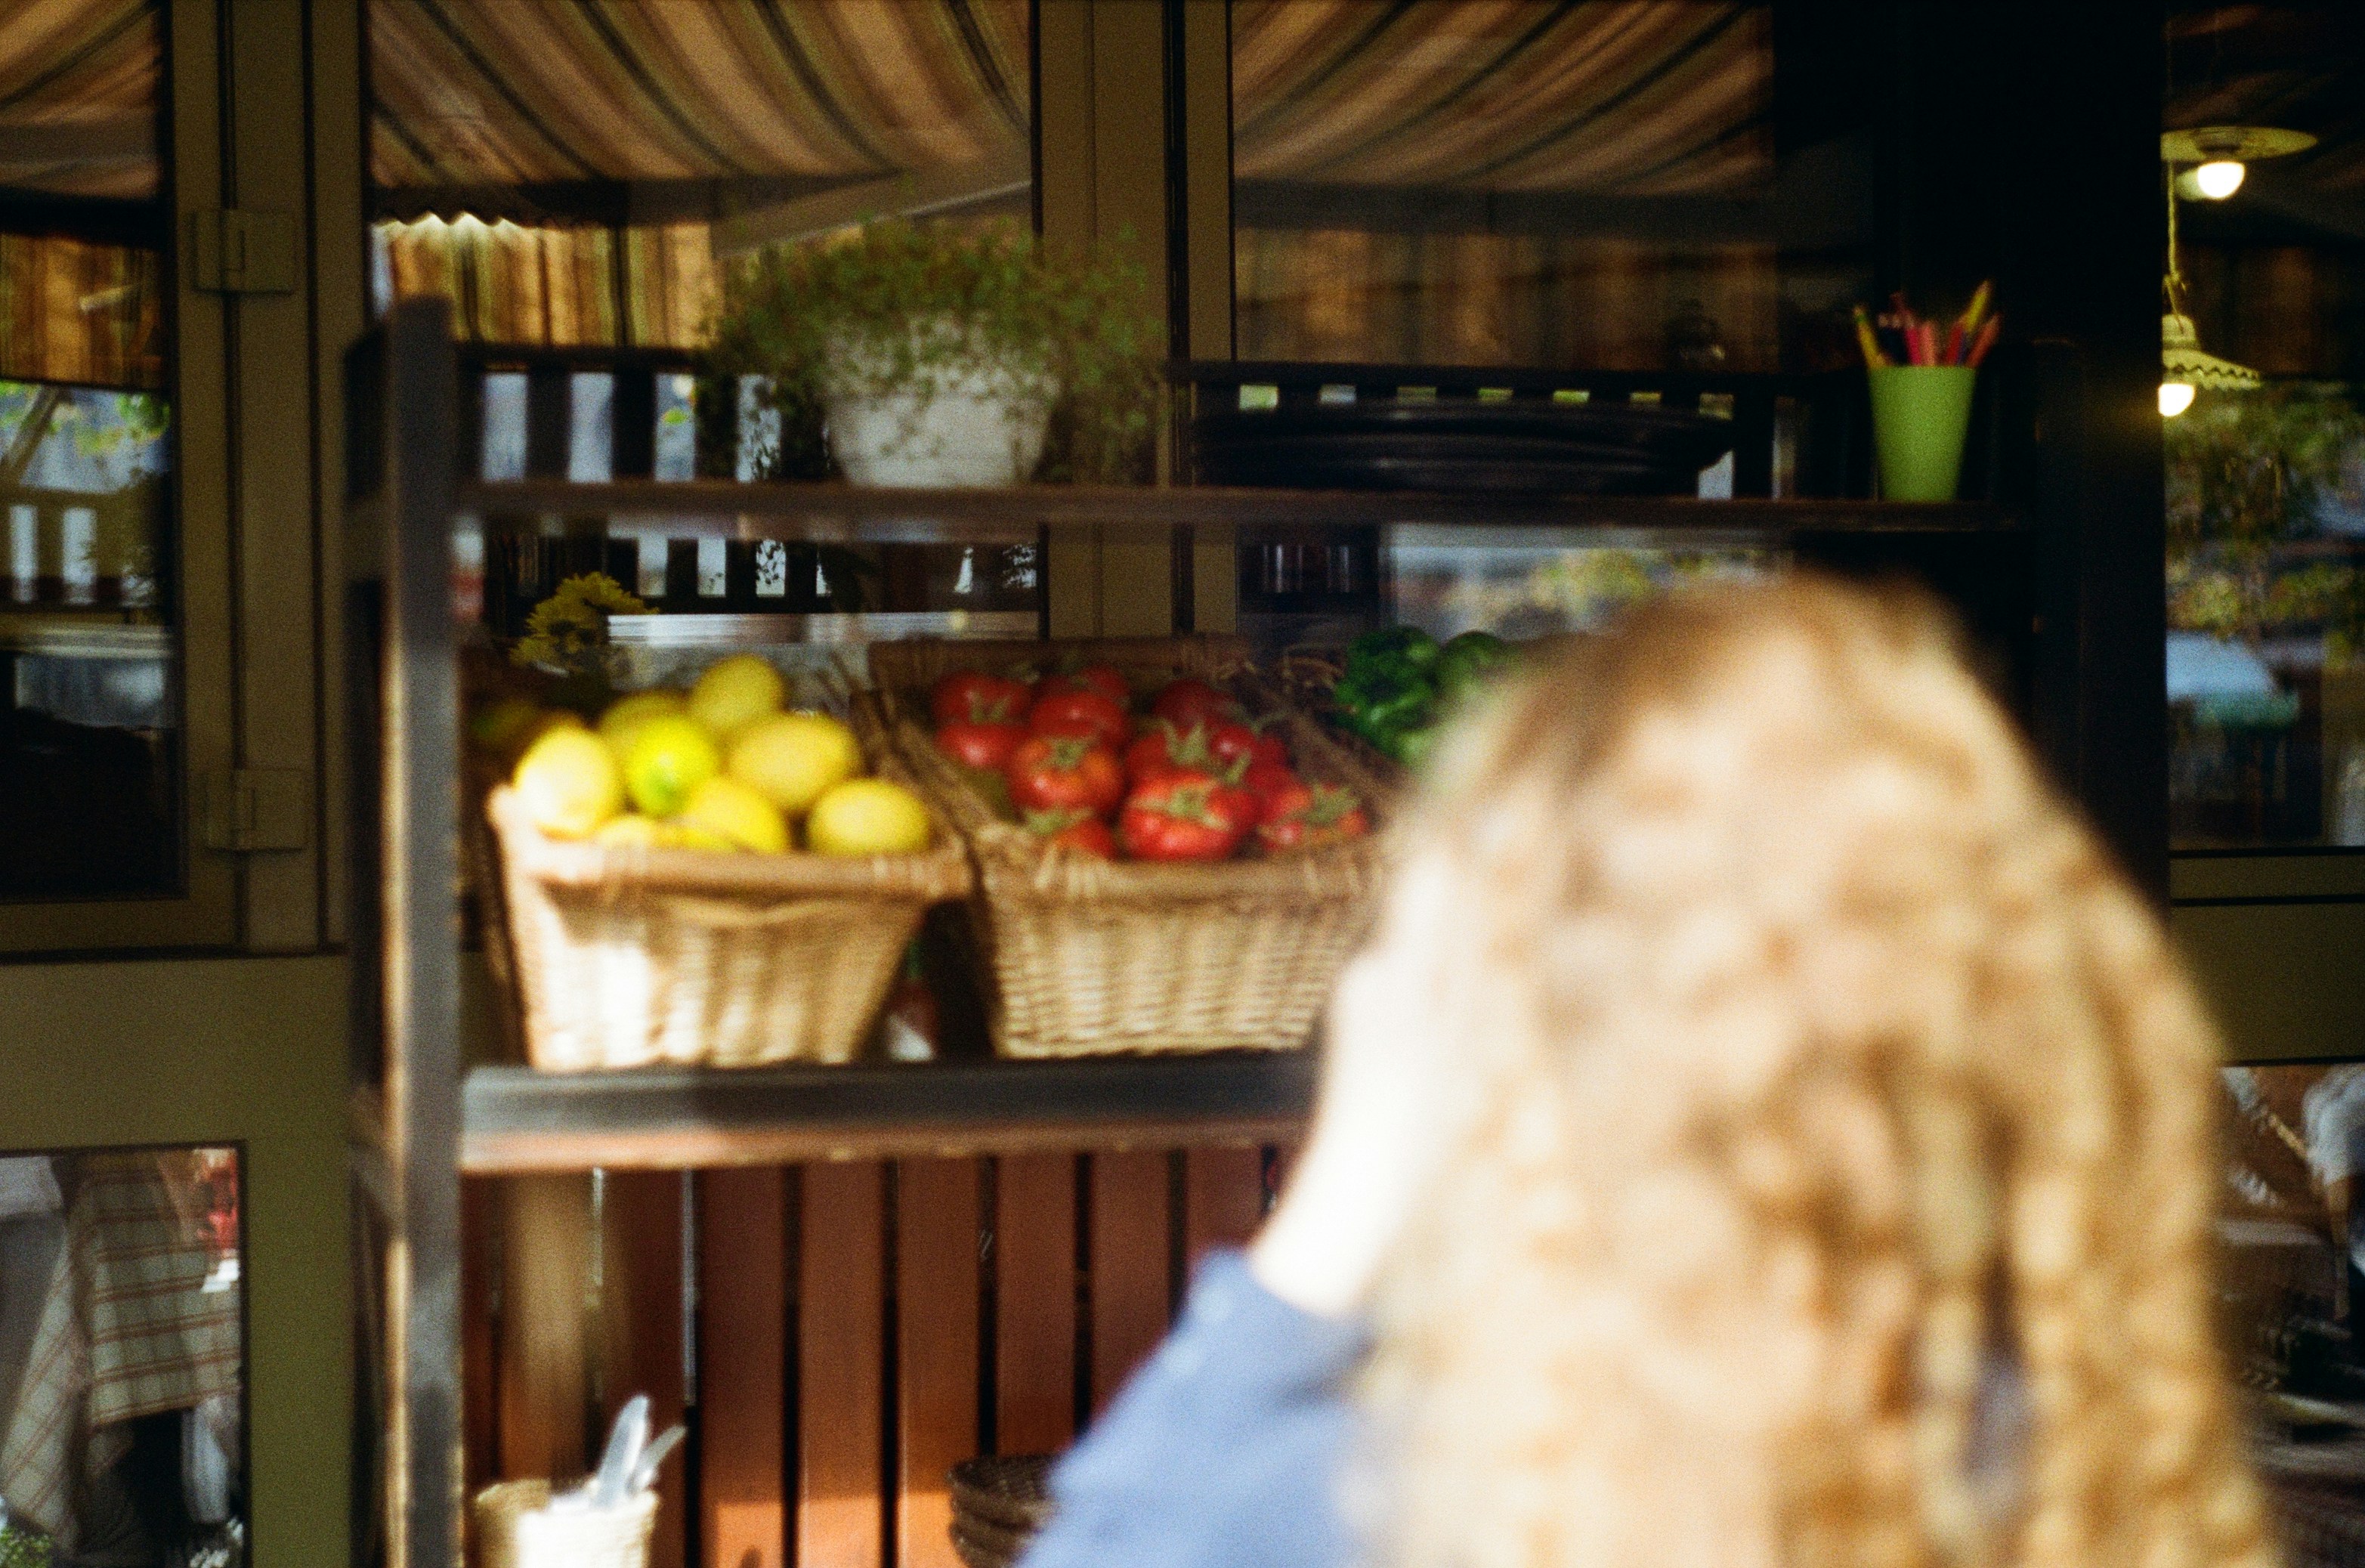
(2289, 1285)
(582, 179)
(89, 706)
(1625, 185)
(581, 174)
(2266, 483)
(122, 1357)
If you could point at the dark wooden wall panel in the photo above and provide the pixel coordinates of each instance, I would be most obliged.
(1223, 1199)
(480, 1282)
(841, 1354)
(851, 1344)
(1130, 1265)
(1035, 1297)
(545, 1388)
(641, 1327)
(937, 1220)
(743, 1367)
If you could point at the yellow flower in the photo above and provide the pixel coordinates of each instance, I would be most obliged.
(568, 630)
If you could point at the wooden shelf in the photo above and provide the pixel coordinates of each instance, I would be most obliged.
(723, 508)
(514, 1119)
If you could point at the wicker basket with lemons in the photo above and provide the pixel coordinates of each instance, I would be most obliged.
(708, 877)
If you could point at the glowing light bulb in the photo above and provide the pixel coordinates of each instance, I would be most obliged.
(2175, 396)
(2218, 179)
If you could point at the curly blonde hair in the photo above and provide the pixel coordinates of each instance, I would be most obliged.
(1813, 1062)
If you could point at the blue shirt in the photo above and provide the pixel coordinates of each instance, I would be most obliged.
(1225, 1451)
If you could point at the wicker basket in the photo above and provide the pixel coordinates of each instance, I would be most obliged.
(1090, 957)
(999, 1504)
(627, 956)
(602, 1538)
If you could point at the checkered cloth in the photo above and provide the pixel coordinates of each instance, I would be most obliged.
(128, 1330)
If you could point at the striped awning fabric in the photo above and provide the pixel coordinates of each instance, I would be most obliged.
(1627, 97)
(474, 94)
(78, 97)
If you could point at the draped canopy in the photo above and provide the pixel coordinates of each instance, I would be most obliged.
(78, 99)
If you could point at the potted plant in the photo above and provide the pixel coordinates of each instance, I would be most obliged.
(948, 353)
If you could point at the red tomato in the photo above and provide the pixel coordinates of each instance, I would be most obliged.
(1079, 830)
(978, 745)
(1088, 715)
(1266, 779)
(1186, 815)
(1107, 680)
(1232, 741)
(1190, 701)
(1306, 815)
(1162, 749)
(974, 696)
(1064, 773)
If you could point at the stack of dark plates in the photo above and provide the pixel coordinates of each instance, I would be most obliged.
(999, 1504)
(1532, 447)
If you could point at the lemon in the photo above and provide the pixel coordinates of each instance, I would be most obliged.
(634, 831)
(625, 717)
(507, 727)
(732, 812)
(568, 782)
(689, 835)
(867, 816)
(736, 692)
(792, 758)
(671, 756)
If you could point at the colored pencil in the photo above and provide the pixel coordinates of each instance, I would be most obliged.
(1987, 340)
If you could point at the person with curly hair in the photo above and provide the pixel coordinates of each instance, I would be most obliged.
(1765, 1132)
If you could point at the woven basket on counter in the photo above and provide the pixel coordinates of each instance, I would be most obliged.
(628, 956)
(600, 1537)
(1090, 957)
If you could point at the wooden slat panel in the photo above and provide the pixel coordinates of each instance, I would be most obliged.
(1035, 1303)
(1223, 1199)
(641, 1326)
(544, 1366)
(936, 1279)
(841, 1319)
(1129, 1264)
(743, 1357)
(480, 1263)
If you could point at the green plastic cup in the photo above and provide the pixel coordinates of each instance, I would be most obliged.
(1920, 415)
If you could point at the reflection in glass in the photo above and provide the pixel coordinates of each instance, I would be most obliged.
(2266, 611)
(566, 183)
(2293, 1238)
(122, 1361)
(89, 658)
(1625, 185)
(577, 181)
(1518, 584)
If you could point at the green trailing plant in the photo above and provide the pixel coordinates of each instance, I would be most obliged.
(900, 306)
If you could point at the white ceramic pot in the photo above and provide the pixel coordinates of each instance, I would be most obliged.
(975, 423)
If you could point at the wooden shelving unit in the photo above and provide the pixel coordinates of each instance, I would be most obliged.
(515, 1120)
(424, 1121)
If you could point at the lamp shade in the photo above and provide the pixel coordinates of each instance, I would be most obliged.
(2181, 359)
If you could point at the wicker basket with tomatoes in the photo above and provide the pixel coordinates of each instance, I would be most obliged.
(1169, 856)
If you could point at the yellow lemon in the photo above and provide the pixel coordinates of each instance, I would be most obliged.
(736, 692)
(634, 831)
(507, 727)
(735, 814)
(867, 816)
(625, 717)
(689, 835)
(671, 756)
(568, 782)
(791, 758)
